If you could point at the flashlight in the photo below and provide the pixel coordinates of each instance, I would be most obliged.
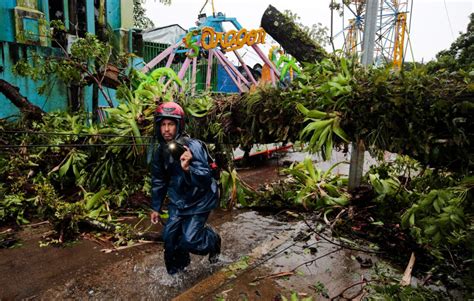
(176, 149)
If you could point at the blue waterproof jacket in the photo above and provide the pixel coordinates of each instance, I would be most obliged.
(189, 192)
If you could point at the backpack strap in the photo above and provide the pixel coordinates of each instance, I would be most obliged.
(211, 161)
(210, 158)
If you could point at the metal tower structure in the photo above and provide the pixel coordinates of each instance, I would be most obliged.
(391, 29)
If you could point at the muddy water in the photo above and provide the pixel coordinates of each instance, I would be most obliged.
(83, 272)
(336, 157)
(321, 263)
(145, 276)
(301, 264)
(240, 236)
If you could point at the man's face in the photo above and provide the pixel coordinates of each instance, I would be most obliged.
(168, 129)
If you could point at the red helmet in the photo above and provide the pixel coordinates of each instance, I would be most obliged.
(170, 110)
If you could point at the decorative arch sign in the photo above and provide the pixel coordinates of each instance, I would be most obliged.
(232, 39)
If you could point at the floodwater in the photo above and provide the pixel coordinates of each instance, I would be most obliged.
(295, 155)
(267, 244)
(145, 276)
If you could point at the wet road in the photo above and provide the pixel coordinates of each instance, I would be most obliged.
(145, 276)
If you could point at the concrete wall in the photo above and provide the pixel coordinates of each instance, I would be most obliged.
(126, 8)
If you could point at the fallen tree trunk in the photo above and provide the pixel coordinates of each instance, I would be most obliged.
(293, 39)
(12, 93)
(425, 116)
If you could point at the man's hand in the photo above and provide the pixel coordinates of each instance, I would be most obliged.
(186, 158)
(155, 217)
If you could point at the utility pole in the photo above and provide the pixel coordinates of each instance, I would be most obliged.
(368, 43)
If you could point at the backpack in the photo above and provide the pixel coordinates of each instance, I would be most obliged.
(215, 170)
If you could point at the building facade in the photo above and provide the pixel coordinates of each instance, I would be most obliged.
(25, 28)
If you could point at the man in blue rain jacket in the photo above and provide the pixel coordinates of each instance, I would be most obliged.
(180, 168)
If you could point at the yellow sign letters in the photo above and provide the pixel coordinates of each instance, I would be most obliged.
(232, 39)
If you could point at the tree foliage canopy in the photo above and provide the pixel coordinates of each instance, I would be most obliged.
(317, 32)
(460, 54)
(140, 19)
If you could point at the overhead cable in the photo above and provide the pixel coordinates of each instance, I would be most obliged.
(72, 134)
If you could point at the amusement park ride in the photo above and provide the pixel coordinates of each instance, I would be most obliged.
(391, 31)
(209, 39)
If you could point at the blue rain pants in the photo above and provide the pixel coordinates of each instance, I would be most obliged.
(184, 234)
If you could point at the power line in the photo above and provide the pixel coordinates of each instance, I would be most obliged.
(72, 134)
(13, 146)
(16, 146)
(449, 20)
(205, 3)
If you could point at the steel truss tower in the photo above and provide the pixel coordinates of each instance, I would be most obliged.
(391, 31)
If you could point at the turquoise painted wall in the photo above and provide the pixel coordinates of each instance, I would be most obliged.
(102, 102)
(55, 97)
(113, 13)
(7, 22)
(43, 6)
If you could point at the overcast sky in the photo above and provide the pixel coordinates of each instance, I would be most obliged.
(435, 24)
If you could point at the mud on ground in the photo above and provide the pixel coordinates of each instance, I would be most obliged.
(82, 271)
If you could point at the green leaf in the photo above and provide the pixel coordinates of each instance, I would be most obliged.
(308, 163)
(294, 296)
(63, 170)
(340, 133)
(456, 219)
(302, 109)
(412, 219)
(436, 205)
(328, 147)
(431, 230)
(405, 219)
(93, 201)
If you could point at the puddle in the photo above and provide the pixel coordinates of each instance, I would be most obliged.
(272, 246)
(242, 234)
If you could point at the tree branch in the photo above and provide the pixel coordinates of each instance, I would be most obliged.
(12, 93)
